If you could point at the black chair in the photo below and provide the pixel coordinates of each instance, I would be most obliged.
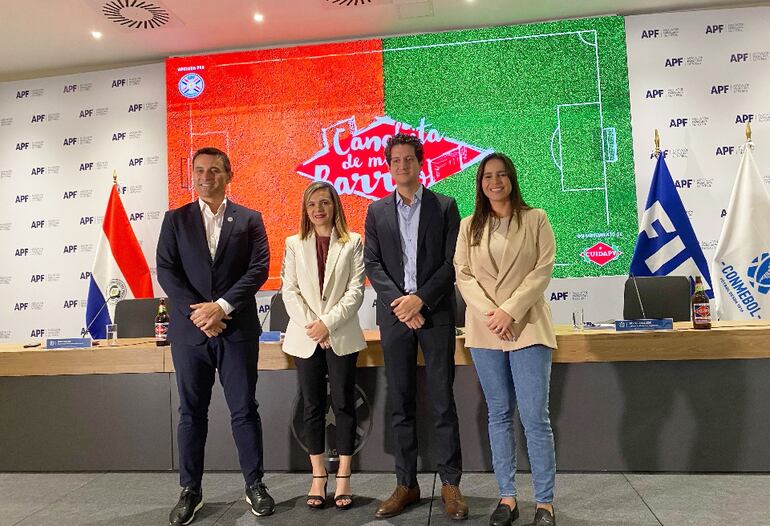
(279, 318)
(661, 297)
(136, 318)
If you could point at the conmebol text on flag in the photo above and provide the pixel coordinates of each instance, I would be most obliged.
(120, 270)
(742, 261)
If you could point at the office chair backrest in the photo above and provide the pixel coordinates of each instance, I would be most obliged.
(279, 318)
(136, 317)
(662, 297)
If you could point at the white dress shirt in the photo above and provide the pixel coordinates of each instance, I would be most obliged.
(213, 225)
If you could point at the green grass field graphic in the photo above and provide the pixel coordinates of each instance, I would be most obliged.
(554, 97)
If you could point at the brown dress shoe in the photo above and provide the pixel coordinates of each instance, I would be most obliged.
(454, 503)
(402, 497)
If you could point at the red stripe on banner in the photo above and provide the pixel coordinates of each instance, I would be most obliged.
(125, 247)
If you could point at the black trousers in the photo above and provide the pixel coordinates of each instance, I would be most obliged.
(399, 348)
(196, 366)
(311, 373)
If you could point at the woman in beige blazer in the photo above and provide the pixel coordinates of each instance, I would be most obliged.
(323, 288)
(503, 263)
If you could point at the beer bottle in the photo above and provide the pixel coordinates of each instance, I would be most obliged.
(700, 308)
(161, 325)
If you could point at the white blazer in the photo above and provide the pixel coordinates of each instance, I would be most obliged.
(337, 307)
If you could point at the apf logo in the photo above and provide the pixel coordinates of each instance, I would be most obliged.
(759, 273)
(84, 114)
(679, 122)
(559, 296)
(191, 85)
(601, 254)
(725, 150)
(37, 118)
(133, 108)
(743, 118)
(714, 29)
(353, 159)
(22, 94)
(739, 57)
(118, 83)
(653, 94)
(720, 89)
(674, 62)
(683, 183)
(650, 33)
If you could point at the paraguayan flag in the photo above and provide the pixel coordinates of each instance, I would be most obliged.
(120, 270)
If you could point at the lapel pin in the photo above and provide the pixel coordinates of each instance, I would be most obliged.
(230, 219)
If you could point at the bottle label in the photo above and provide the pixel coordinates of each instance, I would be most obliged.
(701, 313)
(161, 331)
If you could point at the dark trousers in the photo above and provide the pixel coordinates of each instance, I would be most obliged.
(399, 348)
(195, 370)
(311, 373)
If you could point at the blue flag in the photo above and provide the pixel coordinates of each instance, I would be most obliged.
(667, 245)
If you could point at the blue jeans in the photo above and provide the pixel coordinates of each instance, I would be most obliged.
(519, 377)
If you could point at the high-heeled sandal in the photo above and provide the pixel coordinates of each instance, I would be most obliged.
(341, 498)
(320, 498)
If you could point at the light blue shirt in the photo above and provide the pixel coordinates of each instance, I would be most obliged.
(408, 226)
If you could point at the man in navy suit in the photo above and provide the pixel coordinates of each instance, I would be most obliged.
(409, 246)
(212, 258)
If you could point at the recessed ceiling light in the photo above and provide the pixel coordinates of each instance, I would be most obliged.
(96, 34)
(259, 17)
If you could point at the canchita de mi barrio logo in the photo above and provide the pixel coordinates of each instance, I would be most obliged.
(353, 159)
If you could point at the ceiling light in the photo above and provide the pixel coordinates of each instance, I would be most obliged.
(96, 34)
(259, 17)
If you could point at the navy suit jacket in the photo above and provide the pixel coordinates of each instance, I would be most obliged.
(436, 240)
(187, 274)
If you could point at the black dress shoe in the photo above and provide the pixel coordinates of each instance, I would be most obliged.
(504, 515)
(543, 517)
(190, 501)
(262, 504)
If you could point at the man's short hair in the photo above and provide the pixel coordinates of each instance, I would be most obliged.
(402, 138)
(210, 150)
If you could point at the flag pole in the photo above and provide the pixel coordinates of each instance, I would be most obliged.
(115, 177)
(748, 132)
(657, 142)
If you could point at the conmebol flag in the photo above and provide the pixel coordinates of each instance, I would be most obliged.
(120, 270)
(742, 260)
(667, 245)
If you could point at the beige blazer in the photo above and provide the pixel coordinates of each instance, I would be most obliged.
(518, 289)
(342, 295)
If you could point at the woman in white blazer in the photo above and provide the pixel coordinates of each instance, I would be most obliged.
(503, 264)
(323, 288)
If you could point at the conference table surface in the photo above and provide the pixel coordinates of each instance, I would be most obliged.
(725, 341)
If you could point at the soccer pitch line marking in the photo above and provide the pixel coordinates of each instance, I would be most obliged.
(193, 134)
(579, 33)
(557, 131)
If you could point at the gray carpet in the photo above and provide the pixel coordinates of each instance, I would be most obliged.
(617, 499)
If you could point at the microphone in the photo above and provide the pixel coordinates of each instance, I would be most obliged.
(638, 296)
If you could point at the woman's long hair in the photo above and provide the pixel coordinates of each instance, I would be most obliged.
(339, 223)
(482, 213)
